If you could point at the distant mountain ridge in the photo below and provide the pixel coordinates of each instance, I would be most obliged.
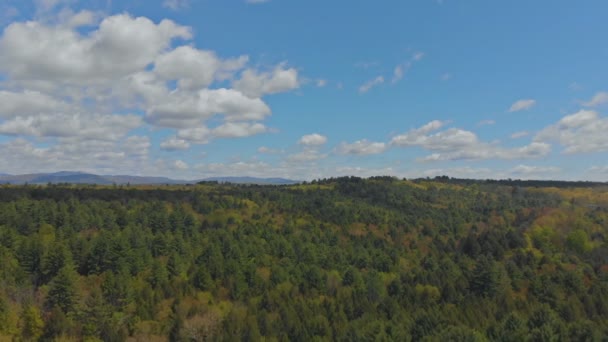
(76, 177)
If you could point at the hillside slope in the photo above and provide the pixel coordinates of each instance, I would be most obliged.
(339, 259)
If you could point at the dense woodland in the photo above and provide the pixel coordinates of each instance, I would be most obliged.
(343, 259)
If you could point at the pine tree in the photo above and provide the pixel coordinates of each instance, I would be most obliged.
(62, 291)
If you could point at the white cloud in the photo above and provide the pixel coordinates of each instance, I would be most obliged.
(268, 150)
(401, 69)
(519, 134)
(598, 169)
(370, 84)
(584, 131)
(180, 165)
(255, 84)
(91, 126)
(43, 6)
(307, 155)
(415, 136)
(71, 19)
(314, 139)
(458, 144)
(418, 56)
(362, 147)
(195, 69)
(199, 135)
(534, 170)
(238, 130)
(488, 151)
(73, 89)
(28, 103)
(34, 51)
(182, 109)
(321, 83)
(398, 73)
(136, 146)
(598, 99)
(129, 155)
(174, 144)
(522, 105)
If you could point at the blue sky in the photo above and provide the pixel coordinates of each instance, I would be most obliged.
(305, 89)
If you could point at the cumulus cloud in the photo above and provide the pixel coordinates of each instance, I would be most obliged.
(174, 144)
(195, 69)
(199, 135)
(583, 131)
(70, 19)
(418, 135)
(129, 155)
(129, 61)
(314, 139)
(519, 134)
(91, 126)
(362, 147)
(238, 130)
(182, 109)
(28, 102)
(75, 89)
(180, 165)
(255, 84)
(520, 105)
(459, 144)
(121, 45)
(367, 86)
(597, 100)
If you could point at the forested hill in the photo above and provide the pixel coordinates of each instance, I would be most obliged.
(519, 182)
(343, 259)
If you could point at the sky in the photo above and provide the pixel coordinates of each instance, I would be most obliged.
(305, 89)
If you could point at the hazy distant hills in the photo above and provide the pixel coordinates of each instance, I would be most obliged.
(81, 178)
(88, 178)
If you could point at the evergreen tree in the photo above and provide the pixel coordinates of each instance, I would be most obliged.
(62, 290)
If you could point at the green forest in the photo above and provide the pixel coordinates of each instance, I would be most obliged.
(341, 259)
